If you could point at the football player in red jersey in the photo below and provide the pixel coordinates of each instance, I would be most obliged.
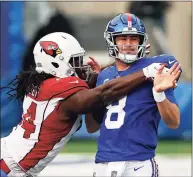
(54, 94)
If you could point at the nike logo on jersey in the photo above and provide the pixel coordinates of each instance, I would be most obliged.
(135, 169)
(170, 62)
(74, 82)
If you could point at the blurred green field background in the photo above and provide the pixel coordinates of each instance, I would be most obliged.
(180, 147)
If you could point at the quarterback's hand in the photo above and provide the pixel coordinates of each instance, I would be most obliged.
(151, 70)
(94, 65)
(164, 81)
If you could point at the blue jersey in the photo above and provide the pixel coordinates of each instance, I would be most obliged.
(130, 125)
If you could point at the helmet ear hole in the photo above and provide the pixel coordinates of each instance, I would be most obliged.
(56, 65)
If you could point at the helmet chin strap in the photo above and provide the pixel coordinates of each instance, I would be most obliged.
(127, 58)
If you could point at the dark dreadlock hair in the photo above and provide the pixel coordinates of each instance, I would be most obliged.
(26, 82)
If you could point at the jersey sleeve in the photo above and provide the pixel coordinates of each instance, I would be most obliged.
(99, 79)
(169, 60)
(61, 88)
(103, 77)
(170, 95)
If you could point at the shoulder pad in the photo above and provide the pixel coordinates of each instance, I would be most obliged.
(60, 88)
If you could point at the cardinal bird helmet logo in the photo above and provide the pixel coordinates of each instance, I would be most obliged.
(50, 48)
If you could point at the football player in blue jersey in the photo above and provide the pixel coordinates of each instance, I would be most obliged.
(129, 126)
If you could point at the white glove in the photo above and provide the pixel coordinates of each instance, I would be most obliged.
(151, 70)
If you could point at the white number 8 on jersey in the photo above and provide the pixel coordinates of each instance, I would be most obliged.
(116, 109)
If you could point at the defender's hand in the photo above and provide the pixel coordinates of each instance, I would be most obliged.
(164, 81)
(97, 68)
(94, 65)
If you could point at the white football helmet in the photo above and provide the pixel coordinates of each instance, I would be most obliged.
(56, 54)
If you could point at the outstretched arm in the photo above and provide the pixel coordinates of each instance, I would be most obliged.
(85, 101)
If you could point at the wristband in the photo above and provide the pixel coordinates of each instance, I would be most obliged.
(158, 96)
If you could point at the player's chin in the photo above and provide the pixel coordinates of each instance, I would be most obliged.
(129, 53)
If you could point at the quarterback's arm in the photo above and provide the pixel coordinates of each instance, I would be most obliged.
(170, 113)
(94, 120)
(91, 125)
(163, 95)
